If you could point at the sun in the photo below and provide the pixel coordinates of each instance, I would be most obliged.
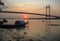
(25, 16)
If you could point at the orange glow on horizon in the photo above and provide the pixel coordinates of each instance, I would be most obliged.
(25, 16)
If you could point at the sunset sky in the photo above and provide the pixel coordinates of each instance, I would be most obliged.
(33, 6)
(37, 6)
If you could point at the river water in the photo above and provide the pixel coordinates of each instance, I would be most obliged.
(37, 30)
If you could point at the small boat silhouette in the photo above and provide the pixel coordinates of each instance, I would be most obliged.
(54, 24)
(18, 24)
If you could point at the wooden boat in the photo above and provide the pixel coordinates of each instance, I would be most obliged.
(18, 24)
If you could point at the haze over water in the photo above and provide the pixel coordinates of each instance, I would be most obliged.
(37, 28)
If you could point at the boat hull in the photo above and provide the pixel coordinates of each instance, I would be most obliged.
(12, 26)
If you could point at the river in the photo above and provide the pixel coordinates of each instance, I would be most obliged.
(36, 31)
